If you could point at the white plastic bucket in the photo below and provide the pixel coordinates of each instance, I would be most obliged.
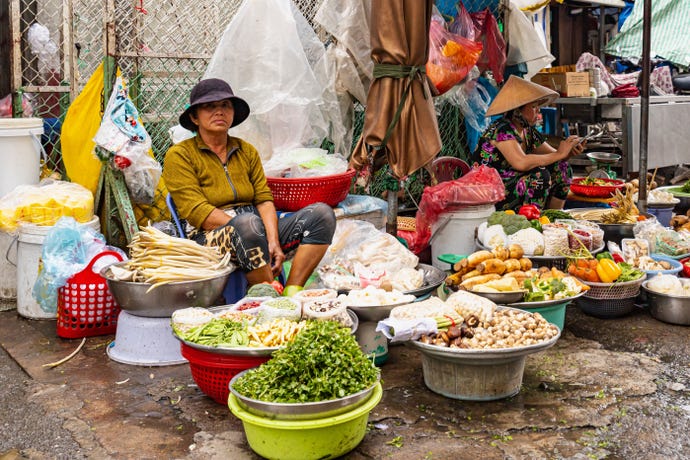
(453, 232)
(20, 157)
(20, 152)
(8, 272)
(29, 248)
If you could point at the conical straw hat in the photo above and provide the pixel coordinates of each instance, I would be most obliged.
(517, 92)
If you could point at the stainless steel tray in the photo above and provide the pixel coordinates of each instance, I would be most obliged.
(301, 411)
(479, 245)
(545, 303)
(470, 354)
(249, 351)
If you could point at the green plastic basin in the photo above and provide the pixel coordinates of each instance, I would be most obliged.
(554, 314)
(329, 437)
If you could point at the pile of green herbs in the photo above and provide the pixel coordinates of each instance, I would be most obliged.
(218, 332)
(322, 363)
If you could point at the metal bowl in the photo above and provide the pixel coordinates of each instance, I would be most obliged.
(683, 198)
(502, 298)
(668, 308)
(301, 411)
(163, 300)
(433, 278)
(604, 157)
(375, 312)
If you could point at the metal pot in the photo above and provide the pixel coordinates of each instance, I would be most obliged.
(163, 300)
(668, 308)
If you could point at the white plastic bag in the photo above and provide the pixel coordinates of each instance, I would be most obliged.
(271, 56)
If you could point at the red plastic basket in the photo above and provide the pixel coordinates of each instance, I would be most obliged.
(294, 193)
(596, 191)
(212, 372)
(85, 307)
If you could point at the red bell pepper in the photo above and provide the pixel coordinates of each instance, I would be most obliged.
(617, 257)
(530, 211)
(686, 267)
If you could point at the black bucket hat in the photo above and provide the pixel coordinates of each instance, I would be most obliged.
(213, 90)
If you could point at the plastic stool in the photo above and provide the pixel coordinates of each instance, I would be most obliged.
(548, 115)
(236, 287)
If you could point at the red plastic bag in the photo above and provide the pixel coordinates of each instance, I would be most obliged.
(482, 185)
(450, 56)
(6, 106)
(493, 55)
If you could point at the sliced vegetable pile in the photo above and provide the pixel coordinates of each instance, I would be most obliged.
(322, 363)
(158, 258)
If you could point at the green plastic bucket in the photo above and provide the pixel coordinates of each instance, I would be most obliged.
(324, 438)
(554, 314)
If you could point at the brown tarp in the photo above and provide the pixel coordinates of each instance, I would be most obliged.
(400, 36)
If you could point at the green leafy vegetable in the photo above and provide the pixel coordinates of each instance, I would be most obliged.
(219, 332)
(554, 214)
(686, 187)
(629, 273)
(323, 362)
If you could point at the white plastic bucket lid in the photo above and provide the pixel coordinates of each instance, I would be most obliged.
(12, 127)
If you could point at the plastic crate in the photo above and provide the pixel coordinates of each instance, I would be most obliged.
(85, 306)
(295, 193)
(212, 372)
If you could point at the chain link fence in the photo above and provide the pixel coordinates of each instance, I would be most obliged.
(162, 49)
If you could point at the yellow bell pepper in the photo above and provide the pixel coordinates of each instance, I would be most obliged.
(544, 220)
(608, 270)
(509, 211)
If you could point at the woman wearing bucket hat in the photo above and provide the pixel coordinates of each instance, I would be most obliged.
(218, 185)
(533, 172)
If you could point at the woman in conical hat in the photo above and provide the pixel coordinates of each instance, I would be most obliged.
(533, 171)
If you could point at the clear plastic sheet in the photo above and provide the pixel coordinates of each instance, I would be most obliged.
(274, 60)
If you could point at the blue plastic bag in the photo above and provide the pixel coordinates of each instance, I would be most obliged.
(67, 248)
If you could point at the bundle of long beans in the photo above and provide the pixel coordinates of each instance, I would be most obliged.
(158, 258)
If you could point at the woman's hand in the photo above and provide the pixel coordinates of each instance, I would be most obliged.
(570, 147)
(277, 258)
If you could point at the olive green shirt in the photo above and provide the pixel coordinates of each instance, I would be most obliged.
(199, 182)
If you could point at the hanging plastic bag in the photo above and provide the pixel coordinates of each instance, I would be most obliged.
(493, 56)
(450, 56)
(463, 24)
(125, 139)
(67, 248)
(6, 106)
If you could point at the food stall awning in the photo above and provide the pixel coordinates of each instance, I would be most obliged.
(609, 3)
(670, 21)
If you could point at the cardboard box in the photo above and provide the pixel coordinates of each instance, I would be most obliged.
(567, 84)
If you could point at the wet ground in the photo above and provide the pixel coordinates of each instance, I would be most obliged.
(609, 389)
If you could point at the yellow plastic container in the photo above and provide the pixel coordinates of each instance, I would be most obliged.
(323, 438)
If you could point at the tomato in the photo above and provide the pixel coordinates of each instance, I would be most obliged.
(686, 267)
